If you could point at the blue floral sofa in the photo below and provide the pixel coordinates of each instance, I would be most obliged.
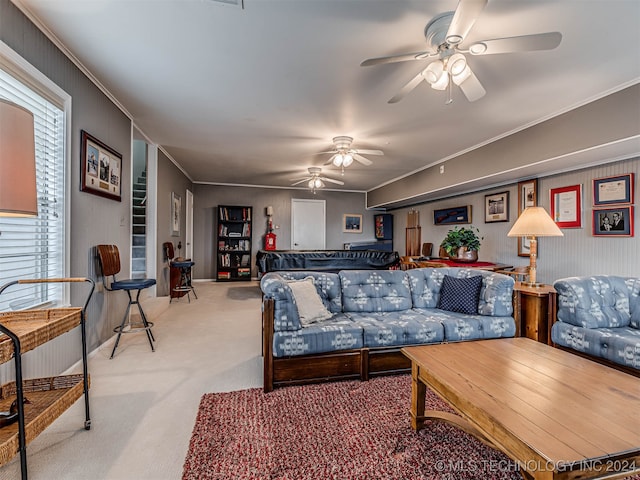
(362, 318)
(599, 317)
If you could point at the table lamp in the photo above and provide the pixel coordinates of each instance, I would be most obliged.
(18, 195)
(534, 222)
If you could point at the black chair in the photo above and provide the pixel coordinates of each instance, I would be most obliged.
(109, 257)
(184, 267)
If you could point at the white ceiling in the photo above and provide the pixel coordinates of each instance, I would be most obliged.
(251, 95)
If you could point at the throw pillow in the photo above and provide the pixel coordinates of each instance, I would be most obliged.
(460, 295)
(310, 306)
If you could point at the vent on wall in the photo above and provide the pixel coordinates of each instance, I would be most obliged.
(230, 3)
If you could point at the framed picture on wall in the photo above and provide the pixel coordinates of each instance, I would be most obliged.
(613, 222)
(101, 168)
(452, 216)
(527, 197)
(613, 190)
(176, 207)
(352, 223)
(496, 207)
(566, 206)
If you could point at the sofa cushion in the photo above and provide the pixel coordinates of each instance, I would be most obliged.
(495, 295)
(310, 306)
(620, 345)
(375, 291)
(327, 284)
(460, 294)
(633, 284)
(458, 327)
(397, 328)
(338, 333)
(286, 316)
(594, 302)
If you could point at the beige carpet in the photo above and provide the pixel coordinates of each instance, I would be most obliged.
(144, 404)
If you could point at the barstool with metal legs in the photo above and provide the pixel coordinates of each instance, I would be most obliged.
(184, 267)
(109, 257)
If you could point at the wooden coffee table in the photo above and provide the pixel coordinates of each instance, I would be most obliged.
(555, 414)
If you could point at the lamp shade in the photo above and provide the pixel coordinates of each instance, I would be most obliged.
(535, 222)
(18, 196)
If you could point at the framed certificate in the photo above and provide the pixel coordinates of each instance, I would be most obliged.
(566, 206)
(617, 190)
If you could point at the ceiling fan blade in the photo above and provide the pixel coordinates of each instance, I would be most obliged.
(369, 152)
(327, 179)
(472, 88)
(396, 58)
(407, 88)
(525, 43)
(362, 160)
(301, 181)
(466, 15)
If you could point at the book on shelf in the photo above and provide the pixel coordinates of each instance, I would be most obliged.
(224, 275)
(244, 272)
(246, 260)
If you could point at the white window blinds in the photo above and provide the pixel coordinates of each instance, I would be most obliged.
(34, 247)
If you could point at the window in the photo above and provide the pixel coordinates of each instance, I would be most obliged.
(35, 247)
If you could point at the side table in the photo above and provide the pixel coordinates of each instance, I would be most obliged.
(534, 309)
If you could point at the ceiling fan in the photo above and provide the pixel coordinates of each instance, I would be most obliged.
(344, 155)
(315, 180)
(445, 35)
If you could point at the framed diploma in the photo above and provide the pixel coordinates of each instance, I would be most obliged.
(566, 206)
(617, 190)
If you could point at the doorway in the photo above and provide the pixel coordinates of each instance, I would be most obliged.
(188, 231)
(308, 224)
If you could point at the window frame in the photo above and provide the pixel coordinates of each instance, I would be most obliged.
(16, 66)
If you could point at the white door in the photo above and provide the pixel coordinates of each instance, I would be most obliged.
(188, 233)
(307, 224)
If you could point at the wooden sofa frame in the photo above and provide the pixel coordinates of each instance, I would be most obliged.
(361, 363)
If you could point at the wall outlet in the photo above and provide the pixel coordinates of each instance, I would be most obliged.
(441, 168)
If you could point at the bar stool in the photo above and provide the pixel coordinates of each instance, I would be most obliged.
(184, 267)
(109, 257)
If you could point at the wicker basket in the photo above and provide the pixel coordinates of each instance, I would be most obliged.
(48, 398)
(35, 327)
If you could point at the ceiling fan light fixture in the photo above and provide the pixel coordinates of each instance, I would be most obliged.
(456, 64)
(315, 183)
(478, 48)
(338, 160)
(347, 160)
(434, 72)
(442, 83)
(462, 76)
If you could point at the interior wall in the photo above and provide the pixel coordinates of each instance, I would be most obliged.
(170, 180)
(208, 197)
(94, 220)
(603, 122)
(577, 253)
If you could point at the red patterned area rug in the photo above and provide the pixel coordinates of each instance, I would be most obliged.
(342, 431)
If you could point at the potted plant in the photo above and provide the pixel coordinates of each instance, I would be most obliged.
(462, 244)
